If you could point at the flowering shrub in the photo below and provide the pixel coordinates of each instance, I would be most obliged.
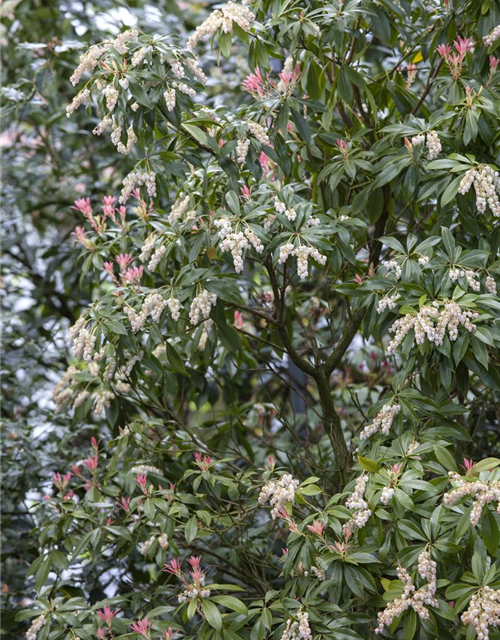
(294, 338)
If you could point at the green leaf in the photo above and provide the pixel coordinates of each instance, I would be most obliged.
(485, 465)
(211, 613)
(191, 529)
(197, 133)
(369, 465)
(230, 602)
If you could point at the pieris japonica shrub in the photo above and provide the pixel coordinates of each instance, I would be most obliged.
(292, 358)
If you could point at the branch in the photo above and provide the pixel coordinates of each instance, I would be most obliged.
(430, 82)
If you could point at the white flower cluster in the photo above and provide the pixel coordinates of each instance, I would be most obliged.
(102, 399)
(386, 496)
(223, 18)
(81, 98)
(157, 257)
(179, 208)
(431, 324)
(35, 627)
(196, 70)
(486, 185)
(236, 242)
(358, 505)
(111, 93)
(302, 253)
(135, 178)
(201, 305)
(319, 573)
(177, 69)
(192, 592)
(131, 362)
(147, 247)
(183, 88)
(278, 493)
(144, 549)
(169, 96)
(468, 274)
(90, 59)
(281, 207)
(484, 610)
(416, 599)
(383, 421)
(104, 124)
(490, 285)
(492, 36)
(139, 56)
(144, 469)
(161, 539)
(207, 328)
(393, 268)
(174, 306)
(64, 390)
(116, 139)
(259, 132)
(482, 492)
(82, 340)
(298, 629)
(242, 147)
(434, 146)
(387, 302)
(80, 398)
(152, 306)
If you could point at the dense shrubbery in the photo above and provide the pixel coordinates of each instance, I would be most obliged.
(283, 380)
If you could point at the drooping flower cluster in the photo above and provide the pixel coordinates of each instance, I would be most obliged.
(90, 59)
(492, 36)
(490, 285)
(358, 505)
(201, 305)
(482, 492)
(387, 302)
(468, 274)
(82, 340)
(144, 469)
(281, 207)
(434, 146)
(416, 599)
(223, 18)
(486, 183)
(483, 611)
(432, 324)
(242, 147)
(236, 242)
(298, 629)
(279, 493)
(302, 253)
(383, 421)
(157, 257)
(259, 132)
(387, 493)
(135, 178)
(161, 539)
(393, 268)
(35, 627)
(152, 306)
(179, 208)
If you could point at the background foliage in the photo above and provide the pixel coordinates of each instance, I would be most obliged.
(346, 128)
